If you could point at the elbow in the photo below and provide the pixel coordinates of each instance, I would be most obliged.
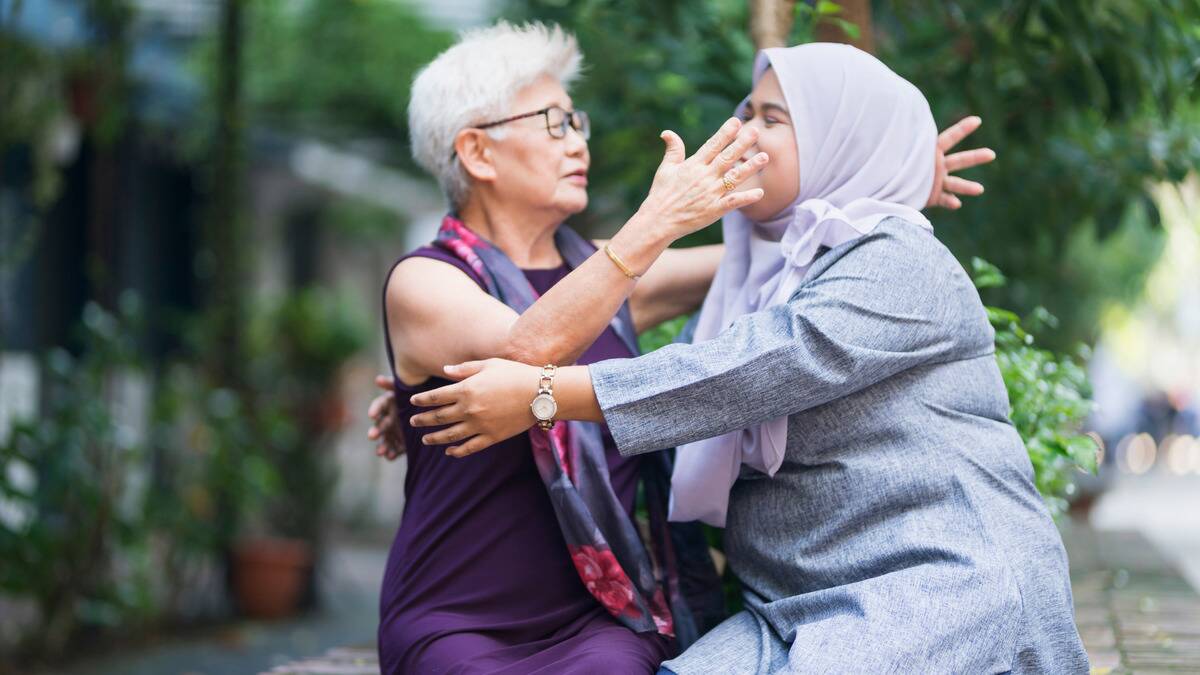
(518, 353)
(548, 349)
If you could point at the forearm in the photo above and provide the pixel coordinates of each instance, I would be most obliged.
(565, 321)
(574, 394)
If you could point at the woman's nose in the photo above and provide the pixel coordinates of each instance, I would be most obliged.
(576, 143)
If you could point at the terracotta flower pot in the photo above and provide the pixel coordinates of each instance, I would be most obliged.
(269, 576)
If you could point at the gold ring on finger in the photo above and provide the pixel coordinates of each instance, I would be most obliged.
(729, 184)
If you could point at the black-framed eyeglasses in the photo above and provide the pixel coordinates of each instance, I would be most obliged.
(557, 121)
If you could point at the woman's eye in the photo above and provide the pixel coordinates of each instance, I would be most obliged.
(769, 121)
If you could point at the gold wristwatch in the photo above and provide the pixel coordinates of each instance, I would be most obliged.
(544, 406)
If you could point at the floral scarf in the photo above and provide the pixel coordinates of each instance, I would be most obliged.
(615, 566)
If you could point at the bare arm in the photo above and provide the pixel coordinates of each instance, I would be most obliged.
(675, 285)
(428, 300)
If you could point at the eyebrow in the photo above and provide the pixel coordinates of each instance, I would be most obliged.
(770, 106)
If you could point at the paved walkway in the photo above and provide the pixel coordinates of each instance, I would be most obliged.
(1135, 612)
(349, 614)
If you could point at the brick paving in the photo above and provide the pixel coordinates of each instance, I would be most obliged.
(1136, 614)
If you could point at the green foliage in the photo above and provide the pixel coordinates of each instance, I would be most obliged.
(102, 530)
(1088, 103)
(661, 335)
(34, 101)
(72, 531)
(1047, 392)
(299, 347)
(332, 68)
(1083, 122)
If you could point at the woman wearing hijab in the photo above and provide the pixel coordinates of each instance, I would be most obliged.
(840, 411)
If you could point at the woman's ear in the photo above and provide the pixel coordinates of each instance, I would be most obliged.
(474, 150)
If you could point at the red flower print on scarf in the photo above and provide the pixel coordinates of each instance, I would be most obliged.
(604, 578)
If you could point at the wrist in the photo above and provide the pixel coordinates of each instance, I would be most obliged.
(641, 241)
(576, 398)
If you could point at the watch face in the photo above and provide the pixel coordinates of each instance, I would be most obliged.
(544, 407)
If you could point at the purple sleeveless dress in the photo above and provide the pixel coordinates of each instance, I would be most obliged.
(479, 579)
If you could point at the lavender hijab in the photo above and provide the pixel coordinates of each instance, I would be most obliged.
(865, 138)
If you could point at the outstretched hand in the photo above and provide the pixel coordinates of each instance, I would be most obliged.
(689, 193)
(947, 187)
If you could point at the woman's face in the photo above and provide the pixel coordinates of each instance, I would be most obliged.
(780, 179)
(534, 169)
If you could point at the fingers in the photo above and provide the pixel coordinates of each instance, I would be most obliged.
(962, 186)
(437, 397)
(958, 131)
(383, 382)
(379, 405)
(458, 432)
(719, 141)
(746, 138)
(737, 200)
(377, 429)
(439, 416)
(461, 371)
(949, 202)
(480, 442)
(675, 152)
(741, 172)
(388, 452)
(969, 158)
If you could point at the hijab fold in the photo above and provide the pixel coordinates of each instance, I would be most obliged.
(865, 139)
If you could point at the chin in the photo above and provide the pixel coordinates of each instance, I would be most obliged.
(573, 205)
(755, 212)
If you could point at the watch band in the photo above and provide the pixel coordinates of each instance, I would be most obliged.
(546, 386)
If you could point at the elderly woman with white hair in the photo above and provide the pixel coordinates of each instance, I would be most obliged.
(528, 558)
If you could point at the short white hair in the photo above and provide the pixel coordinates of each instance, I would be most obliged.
(474, 82)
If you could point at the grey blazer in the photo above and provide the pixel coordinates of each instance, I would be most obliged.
(903, 532)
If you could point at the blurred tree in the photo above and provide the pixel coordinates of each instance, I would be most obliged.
(1083, 123)
(853, 25)
(224, 259)
(34, 102)
(1088, 103)
(337, 69)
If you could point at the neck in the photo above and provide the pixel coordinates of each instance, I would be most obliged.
(527, 238)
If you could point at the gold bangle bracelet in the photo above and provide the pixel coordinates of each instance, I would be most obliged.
(620, 263)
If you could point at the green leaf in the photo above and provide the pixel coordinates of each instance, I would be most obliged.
(985, 274)
(827, 8)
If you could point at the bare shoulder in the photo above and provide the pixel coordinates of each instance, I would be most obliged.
(420, 284)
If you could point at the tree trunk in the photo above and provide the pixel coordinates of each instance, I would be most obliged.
(223, 260)
(771, 22)
(857, 12)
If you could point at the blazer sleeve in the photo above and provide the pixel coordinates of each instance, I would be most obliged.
(888, 302)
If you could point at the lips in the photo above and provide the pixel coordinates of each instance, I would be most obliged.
(579, 177)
